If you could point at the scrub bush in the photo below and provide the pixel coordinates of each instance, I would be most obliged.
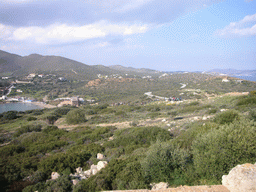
(75, 116)
(226, 117)
(164, 161)
(219, 150)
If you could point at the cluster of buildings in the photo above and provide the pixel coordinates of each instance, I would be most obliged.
(72, 101)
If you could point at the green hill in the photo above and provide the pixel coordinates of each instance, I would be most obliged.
(21, 66)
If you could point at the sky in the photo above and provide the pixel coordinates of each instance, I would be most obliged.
(165, 35)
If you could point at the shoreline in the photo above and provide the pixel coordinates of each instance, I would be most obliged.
(43, 105)
(37, 103)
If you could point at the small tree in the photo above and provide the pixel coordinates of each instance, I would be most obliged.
(9, 115)
(219, 150)
(75, 116)
(51, 119)
(164, 160)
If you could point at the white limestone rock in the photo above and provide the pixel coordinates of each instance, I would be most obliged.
(75, 181)
(241, 178)
(159, 186)
(101, 164)
(54, 175)
(88, 172)
(100, 156)
(79, 170)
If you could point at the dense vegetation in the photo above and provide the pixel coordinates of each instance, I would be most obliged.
(163, 142)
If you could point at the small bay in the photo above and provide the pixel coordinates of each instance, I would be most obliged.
(18, 107)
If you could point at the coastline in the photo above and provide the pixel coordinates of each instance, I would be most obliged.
(43, 105)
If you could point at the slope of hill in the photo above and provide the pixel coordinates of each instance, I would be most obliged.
(35, 63)
(131, 69)
(8, 62)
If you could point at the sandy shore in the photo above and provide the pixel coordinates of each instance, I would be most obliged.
(43, 105)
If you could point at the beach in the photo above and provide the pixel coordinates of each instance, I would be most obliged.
(43, 105)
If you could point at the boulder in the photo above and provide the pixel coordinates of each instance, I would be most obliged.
(100, 156)
(54, 175)
(88, 172)
(110, 138)
(241, 178)
(159, 186)
(94, 169)
(79, 170)
(75, 181)
(101, 164)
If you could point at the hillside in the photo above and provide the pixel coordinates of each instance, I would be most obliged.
(21, 66)
(9, 62)
(189, 142)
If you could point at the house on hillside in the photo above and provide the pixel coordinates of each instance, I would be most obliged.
(62, 79)
(31, 75)
(74, 101)
(239, 81)
(225, 80)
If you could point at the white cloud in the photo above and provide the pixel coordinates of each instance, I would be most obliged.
(63, 33)
(5, 31)
(244, 27)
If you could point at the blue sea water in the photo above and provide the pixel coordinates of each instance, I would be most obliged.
(249, 78)
(17, 107)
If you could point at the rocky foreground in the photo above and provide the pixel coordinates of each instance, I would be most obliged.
(241, 178)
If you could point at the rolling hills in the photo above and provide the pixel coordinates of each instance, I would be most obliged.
(21, 66)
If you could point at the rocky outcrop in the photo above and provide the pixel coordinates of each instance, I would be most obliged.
(241, 178)
(80, 174)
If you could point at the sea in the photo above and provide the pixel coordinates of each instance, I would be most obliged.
(249, 78)
(17, 107)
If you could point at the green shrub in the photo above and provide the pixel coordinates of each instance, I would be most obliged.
(212, 111)
(61, 111)
(61, 184)
(10, 150)
(193, 103)
(49, 129)
(252, 93)
(172, 113)
(38, 112)
(27, 128)
(186, 137)
(118, 174)
(153, 115)
(131, 177)
(219, 150)
(75, 116)
(31, 118)
(246, 101)
(226, 117)
(51, 119)
(121, 114)
(61, 161)
(163, 161)
(133, 138)
(9, 115)
(252, 114)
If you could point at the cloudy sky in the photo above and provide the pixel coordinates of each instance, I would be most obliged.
(168, 35)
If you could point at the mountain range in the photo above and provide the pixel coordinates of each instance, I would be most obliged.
(18, 66)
